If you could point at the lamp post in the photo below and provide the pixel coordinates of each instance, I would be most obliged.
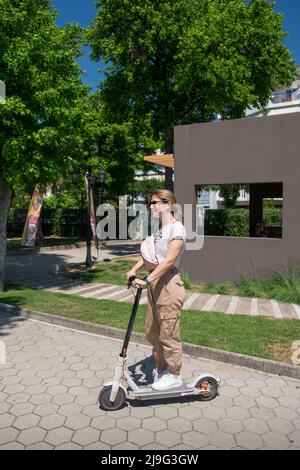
(91, 180)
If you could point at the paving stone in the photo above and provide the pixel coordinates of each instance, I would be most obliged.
(214, 414)
(4, 407)
(11, 380)
(70, 409)
(8, 435)
(205, 426)
(57, 390)
(256, 383)
(237, 412)
(93, 411)
(115, 436)
(69, 446)
(129, 423)
(165, 412)
(90, 382)
(281, 426)
(77, 422)
(270, 391)
(244, 402)
(289, 402)
(169, 438)
(39, 446)
(296, 424)
(97, 446)
(82, 374)
(89, 399)
(12, 446)
(6, 420)
(229, 425)
(80, 390)
(18, 398)
(71, 382)
(228, 391)
(63, 399)
(190, 413)
(267, 402)
(154, 424)
(59, 435)
(248, 440)
(31, 436)
(40, 398)
(46, 409)
(180, 425)
(33, 380)
(222, 440)
(275, 441)
(250, 391)
(26, 421)
(52, 421)
(236, 383)
(294, 438)
(141, 437)
(255, 426)
(261, 413)
(223, 402)
(285, 413)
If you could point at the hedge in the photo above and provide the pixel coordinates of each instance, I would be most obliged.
(235, 222)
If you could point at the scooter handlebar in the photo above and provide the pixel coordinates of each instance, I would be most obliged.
(130, 281)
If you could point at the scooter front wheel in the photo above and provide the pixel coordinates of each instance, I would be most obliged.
(104, 399)
(208, 388)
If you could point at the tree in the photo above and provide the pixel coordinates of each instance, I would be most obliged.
(46, 117)
(173, 62)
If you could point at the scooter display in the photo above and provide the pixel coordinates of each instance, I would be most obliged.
(114, 394)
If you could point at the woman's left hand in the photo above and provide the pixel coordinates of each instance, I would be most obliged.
(139, 283)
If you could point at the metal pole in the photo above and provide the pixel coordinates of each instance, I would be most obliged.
(88, 260)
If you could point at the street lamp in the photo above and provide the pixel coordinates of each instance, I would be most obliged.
(91, 180)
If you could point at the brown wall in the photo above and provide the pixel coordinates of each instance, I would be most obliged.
(253, 150)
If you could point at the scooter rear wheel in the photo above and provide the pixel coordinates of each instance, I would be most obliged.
(209, 386)
(104, 399)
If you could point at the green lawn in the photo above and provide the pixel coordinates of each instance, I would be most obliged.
(255, 336)
(110, 272)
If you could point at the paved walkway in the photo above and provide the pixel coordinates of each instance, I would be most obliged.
(33, 270)
(50, 384)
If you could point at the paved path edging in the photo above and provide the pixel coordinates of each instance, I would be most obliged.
(264, 365)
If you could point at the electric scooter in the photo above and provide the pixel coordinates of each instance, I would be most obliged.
(113, 395)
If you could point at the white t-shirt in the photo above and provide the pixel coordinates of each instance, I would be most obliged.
(162, 238)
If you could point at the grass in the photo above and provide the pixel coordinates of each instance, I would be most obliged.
(254, 336)
(112, 272)
(14, 243)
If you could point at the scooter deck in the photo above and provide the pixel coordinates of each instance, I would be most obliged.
(148, 393)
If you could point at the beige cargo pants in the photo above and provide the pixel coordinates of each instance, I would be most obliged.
(165, 299)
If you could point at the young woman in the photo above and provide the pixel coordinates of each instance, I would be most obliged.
(165, 290)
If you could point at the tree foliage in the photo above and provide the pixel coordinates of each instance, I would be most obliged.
(177, 62)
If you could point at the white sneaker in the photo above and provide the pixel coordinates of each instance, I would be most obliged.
(167, 381)
(157, 376)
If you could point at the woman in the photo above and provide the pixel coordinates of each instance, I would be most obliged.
(165, 290)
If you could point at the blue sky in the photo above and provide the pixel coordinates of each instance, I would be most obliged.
(83, 11)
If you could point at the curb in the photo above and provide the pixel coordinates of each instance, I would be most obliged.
(251, 362)
(45, 249)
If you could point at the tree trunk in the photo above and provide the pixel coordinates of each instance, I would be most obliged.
(5, 198)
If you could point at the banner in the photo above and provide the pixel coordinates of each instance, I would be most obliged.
(32, 220)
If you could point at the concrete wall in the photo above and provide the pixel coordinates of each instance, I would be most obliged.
(258, 150)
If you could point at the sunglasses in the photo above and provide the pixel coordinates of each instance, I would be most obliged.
(152, 203)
